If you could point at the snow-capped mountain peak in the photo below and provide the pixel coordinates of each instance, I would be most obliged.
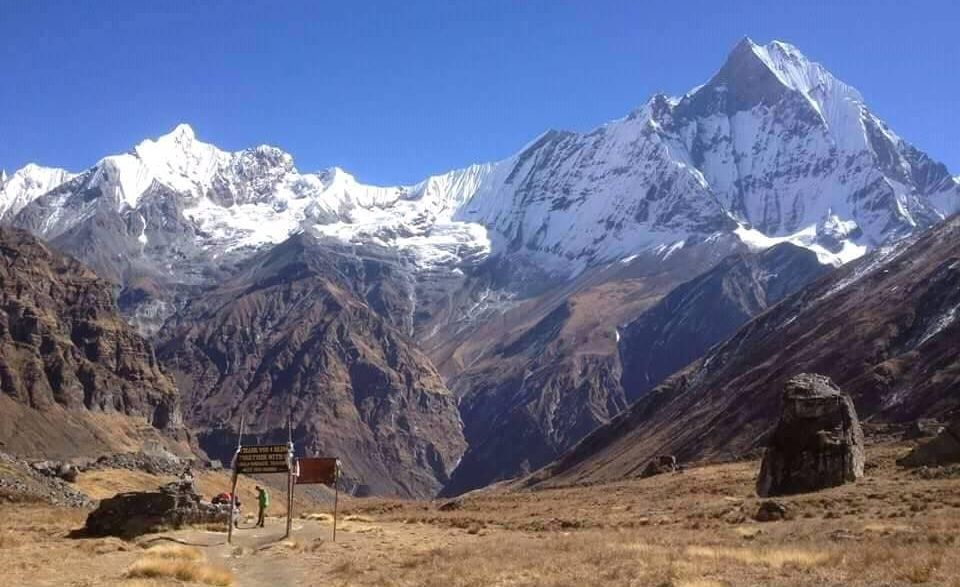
(772, 148)
(27, 184)
(760, 75)
(176, 159)
(795, 71)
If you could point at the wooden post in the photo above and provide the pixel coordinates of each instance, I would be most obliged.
(289, 475)
(336, 494)
(233, 507)
(233, 486)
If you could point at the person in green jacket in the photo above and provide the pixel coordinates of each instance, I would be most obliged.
(263, 501)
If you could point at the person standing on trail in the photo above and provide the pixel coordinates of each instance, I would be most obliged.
(263, 501)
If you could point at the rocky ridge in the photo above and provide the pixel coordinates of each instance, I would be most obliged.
(69, 365)
(294, 334)
(706, 310)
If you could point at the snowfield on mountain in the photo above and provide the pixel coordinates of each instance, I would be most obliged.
(772, 148)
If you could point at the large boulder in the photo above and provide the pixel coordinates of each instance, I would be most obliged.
(944, 449)
(659, 465)
(173, 505)
(818, 441)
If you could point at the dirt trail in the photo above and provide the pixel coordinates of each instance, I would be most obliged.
(261, 556)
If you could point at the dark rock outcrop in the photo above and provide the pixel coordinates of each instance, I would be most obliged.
(818, 442)
(923, 428)
(944, 449)
(660, 465)
(771, 511)
(173, 505)
(75, 379)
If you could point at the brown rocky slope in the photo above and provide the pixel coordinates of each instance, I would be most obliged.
(539, 377)
(708, 309)
(884, 328)
(294, 333)
(75, 378)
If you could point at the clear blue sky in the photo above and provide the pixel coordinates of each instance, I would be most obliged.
(395, 90)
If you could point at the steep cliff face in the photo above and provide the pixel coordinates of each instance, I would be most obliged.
(293, 334)
(69, 364)
(884, 328)
(535, 380)
(708, 309)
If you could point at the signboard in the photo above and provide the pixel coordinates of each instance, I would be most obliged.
(267, 458)
(317, 470)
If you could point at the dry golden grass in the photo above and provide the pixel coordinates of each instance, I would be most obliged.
(175, 551)
(748, 532)
(180, 562)
(100, 484)
(771, 557)
(138, 583)
(181, 570)
(694, 529)
(10, 540)
(882, 528)
(513, 559)
(100, 546)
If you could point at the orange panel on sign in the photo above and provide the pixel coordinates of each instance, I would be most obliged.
(317, 470)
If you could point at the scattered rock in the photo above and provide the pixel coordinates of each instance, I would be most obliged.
(44, 481)
(452, 505)
(944, 449)
(159, 463)
(817, 443)
(770, 511)
(67, 472)
(923, 429)
(842, 535)
(946, 472)
(173, 505)
(659, 465)
(64, 471)
(111, 544)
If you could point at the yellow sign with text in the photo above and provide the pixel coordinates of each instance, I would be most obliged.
(268, 458)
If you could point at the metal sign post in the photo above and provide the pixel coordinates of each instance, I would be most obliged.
(321, 470)
(336, 495)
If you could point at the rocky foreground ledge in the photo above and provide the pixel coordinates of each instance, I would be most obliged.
(174, 505)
